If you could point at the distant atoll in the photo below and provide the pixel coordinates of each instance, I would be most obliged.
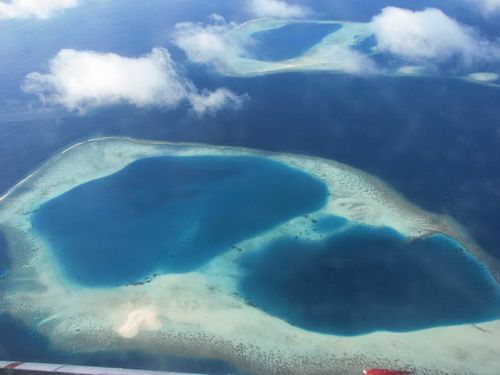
(350, 49)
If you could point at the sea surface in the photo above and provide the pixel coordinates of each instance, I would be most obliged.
(436, 140)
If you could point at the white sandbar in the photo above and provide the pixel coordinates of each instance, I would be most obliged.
(411, 70)
(137, 320)
(483, 76)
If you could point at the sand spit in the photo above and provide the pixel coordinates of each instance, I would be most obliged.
(483, 76)
(200, 314)
(137, 320)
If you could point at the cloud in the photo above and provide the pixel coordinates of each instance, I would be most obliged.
(277, 9)
(82, 80)
(79, 80)
(212, 44)
(41, 9)
(488, 7)
(213, 101)
(346, 59)
(426, 35)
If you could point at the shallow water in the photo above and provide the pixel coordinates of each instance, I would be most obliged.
(369, 279)
(4, 258)
(290, 41)
(329, 223)
(170, 214)
(24, 344)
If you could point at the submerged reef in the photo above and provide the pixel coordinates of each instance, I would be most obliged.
(302, 221)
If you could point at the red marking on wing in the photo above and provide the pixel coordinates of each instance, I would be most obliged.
(13, 365)
(382, 371)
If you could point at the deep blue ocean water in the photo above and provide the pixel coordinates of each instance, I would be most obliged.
(435, 140)
(369, 279)
(289, 41)
(170, 214)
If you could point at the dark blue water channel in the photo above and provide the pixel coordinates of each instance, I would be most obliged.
(370, 279)
(170, 214)
(290, 41)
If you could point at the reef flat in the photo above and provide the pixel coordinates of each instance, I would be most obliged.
(200, 313)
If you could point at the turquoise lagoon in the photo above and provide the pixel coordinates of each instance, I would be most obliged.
(290, 40)
(170, 214)
(364, 279)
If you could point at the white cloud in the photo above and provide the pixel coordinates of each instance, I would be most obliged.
(217, 18)
(213, 101)
(488, 7)
(426, 35)
(211, 43)
(82, 80)
(41, 9)
(346, 59)
(277, 9)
